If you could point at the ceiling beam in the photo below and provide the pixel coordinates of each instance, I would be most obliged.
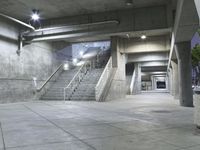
(186, 24)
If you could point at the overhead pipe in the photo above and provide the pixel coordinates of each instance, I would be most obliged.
(54, 28)
(63, 34)
(79, 25)
(171, 50)
(20, 45)
(17, 21)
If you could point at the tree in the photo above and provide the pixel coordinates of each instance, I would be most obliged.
(196, 55)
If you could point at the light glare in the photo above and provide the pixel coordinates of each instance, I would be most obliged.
(66, 66)
(35, 16)
(81, 53)
(75, 60)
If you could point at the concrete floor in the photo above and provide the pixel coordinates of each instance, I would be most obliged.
(143, 122)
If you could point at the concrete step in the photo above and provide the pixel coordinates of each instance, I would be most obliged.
(83, 95)
(83, 99)
(71, 98)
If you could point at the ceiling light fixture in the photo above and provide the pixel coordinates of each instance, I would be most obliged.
(129, 2)
(35, 15)
(143, 37)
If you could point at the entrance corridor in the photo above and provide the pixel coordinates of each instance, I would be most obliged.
(148, 121)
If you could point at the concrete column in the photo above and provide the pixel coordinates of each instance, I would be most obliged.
(175, 80)
(183, 51)
(118, 85)
(138, 80)
(197, 3)
(152, 83)
(167, 83)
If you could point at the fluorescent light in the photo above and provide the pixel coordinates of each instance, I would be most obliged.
(143, 37)
(129, 2)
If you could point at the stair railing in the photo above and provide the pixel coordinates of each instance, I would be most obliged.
(73, 84)
(132, 83)
(101, 85)
(49, 78)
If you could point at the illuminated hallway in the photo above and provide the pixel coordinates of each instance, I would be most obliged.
(99, 75)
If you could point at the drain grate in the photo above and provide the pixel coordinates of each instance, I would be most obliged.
(161, 111)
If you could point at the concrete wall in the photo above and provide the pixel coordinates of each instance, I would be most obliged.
(138, 80)
(147, 57)
(197, 2)
(16, 72)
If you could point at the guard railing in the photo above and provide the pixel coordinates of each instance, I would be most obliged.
(73, 84)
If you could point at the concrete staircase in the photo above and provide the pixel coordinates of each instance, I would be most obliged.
(84, 92)
(86, 89)
(55, 92)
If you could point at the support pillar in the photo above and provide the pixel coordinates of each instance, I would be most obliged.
(138, 80)
(152, 82)
(197, 3)
(154, 85)
(175, 80)
(183, 51)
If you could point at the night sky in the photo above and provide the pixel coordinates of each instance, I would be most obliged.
(195, 40)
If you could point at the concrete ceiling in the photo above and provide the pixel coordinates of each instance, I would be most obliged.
(126, 35)
(21, 9)
(154, 69)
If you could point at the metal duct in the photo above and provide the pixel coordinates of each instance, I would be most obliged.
(18, 21)
(79, 25)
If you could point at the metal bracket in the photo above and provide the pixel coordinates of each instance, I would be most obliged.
(20, 45)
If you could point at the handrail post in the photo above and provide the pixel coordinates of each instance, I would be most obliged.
(85, 67)
(64, 94)
(75, 80)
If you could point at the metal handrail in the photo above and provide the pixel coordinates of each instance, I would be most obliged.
(49, 78)
(76, 76)
(18, 21)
